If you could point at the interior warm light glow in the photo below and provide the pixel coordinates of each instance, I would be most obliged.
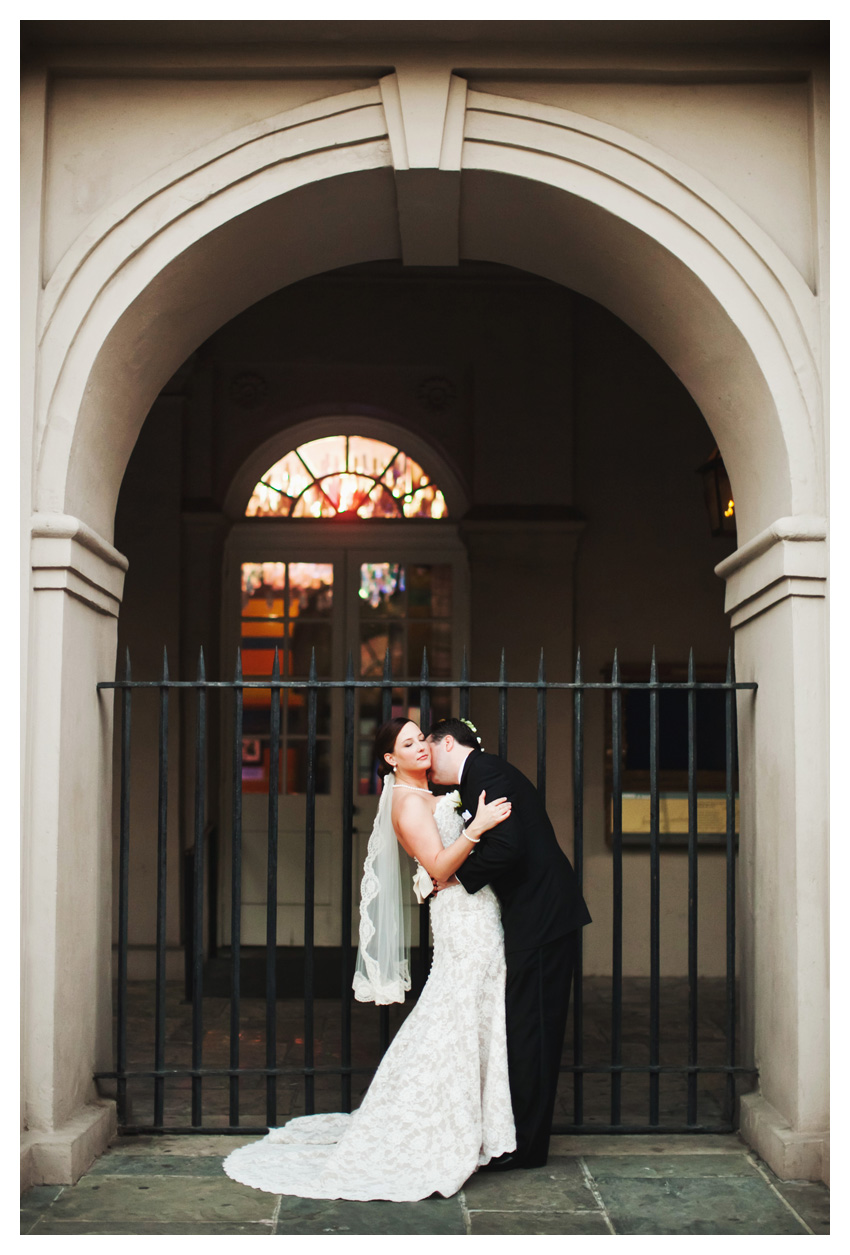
(345, 476)
(730, 510)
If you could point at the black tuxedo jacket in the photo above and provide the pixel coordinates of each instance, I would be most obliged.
(529, 872)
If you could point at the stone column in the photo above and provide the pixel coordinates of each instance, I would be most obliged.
(776, 595)
(77, 582)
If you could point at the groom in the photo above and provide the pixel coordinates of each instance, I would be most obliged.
(542, 910)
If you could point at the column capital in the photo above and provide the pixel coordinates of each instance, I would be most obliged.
(787, 559)
(68, 555)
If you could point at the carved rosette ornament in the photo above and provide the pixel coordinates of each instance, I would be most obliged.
(436, 393)
(248, 391)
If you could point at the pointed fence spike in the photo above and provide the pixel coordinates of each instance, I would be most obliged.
(729, 666)
(276, 663)
(541, 670)
(349, 666)
(424, 672)
(313, 675)
(691, 665)
(238, 672)
(578, 665)
(202, 671)
(502, 672)
(127, 669)
(464, 667)
(164, 663)
(653, 669)
(615, 669)
(388, 671)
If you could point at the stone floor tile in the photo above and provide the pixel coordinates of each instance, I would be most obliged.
(646, 1144)
(560, 1186)
(434, 1216)
(653, 1166)
(152, 1165)
(180, 1200)
(810, 1199)
(82, 1228)
(570, 1223)
(695, 1206)
(35, 1202)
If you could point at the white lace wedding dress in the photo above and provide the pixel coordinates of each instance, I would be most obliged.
(439, 1105)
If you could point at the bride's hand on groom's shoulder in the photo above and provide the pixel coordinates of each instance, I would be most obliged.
(489, 814)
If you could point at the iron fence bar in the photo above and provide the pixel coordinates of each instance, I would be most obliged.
(578, 858)
(198, 897)
(412, 682)
(386, 713)
(123, 893)
(693, 822)
(654, 892)
(236, 889)
(617, 892)
(599, 1069)
(271, 892)
(503, 709)
(730, 884)
(424, 908)
(161, 890)
(310, 892)
(541, 729)
(347, 881)
(133, 1130)
(463, 694)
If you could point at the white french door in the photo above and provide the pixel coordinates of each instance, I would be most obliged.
(334, 589)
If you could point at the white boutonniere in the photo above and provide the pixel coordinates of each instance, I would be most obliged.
(454, 798)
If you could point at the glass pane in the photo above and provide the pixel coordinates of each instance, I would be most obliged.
(381, 592)
(404, 476)
(297, 723)
(311, 589)
(427, 503)
(313, 505)
(281, 482)
(261, 627)
(441, 591)
(374, 640)
(380, 504)
(255, 765)
(296, 767)
(369, 457)
(263, 582)
(306, 637)
(347, 492)
(419, 592)
(324, 456)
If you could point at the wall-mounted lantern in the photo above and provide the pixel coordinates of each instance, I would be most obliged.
(718, 495)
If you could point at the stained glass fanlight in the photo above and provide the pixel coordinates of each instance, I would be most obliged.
(346, 477)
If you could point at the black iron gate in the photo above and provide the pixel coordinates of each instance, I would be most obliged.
(627, 723)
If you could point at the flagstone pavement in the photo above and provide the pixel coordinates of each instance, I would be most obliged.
(688, 1185)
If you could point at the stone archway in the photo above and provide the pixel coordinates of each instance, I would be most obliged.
(388, 172)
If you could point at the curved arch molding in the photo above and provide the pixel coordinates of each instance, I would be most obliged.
(344, 180)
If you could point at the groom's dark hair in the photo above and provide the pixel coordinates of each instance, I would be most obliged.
(456, 728)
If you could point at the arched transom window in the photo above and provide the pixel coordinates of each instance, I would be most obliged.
(346, 477)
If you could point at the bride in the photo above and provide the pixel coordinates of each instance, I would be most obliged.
(439, 1105)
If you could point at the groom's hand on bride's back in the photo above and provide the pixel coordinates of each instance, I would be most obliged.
(444, 884)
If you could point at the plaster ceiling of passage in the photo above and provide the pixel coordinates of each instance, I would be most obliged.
(755, 33)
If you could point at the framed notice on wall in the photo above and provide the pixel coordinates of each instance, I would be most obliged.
(672, 758)
(673, 819)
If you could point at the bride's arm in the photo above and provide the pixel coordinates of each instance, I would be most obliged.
(417, 832)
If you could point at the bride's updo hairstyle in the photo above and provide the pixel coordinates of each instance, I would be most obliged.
(385, 739)
(457, 728)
